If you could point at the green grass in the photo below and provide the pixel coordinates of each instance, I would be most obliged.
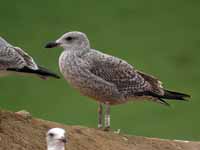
(158, 37)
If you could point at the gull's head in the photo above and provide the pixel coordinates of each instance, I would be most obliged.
(71, 41)
(56, 139)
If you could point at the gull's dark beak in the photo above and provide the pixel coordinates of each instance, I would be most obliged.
(51, 45)
(63, 140)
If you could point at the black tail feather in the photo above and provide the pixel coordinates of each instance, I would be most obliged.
(171, 95)
(45, 72)
(175, 95)
(168, 95)
(163, 102)
(41, 71)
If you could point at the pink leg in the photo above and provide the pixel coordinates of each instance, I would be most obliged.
(100, 115)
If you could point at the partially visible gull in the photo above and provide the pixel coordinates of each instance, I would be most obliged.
(15, 60)
(56, 139)
(105, 78)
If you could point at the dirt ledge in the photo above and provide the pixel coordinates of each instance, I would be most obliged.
(21, 132)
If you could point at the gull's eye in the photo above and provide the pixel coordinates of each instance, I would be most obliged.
(69, 38)
(51, 134)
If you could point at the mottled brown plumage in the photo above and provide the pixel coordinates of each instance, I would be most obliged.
(106, 78)
(128, 81)
(14, 59)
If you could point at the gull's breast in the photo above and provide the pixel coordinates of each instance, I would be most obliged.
(69, 65)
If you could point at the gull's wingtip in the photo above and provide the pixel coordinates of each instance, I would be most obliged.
(176, 95)
(41, 72)
(45, 72)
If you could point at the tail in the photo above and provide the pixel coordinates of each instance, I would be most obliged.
(168, 95)
(41, 71)
(175, 95)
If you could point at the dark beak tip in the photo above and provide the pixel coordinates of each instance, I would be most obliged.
(51, 45)
(64, 140)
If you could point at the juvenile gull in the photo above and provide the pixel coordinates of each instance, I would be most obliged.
(106, 78)
(14, 59)
(56, 139)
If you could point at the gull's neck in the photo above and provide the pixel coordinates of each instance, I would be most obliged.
(77, 52)
(56, 147)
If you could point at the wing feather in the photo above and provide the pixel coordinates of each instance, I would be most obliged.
(14, 57)
(154, 82)
(30, 63)
(118, 72)
(9, 58)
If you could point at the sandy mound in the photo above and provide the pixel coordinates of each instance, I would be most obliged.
(19, 132)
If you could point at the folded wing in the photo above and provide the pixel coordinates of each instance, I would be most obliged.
(15, 59)
(129, 81)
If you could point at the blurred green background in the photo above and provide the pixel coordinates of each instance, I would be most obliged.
(159, 37)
